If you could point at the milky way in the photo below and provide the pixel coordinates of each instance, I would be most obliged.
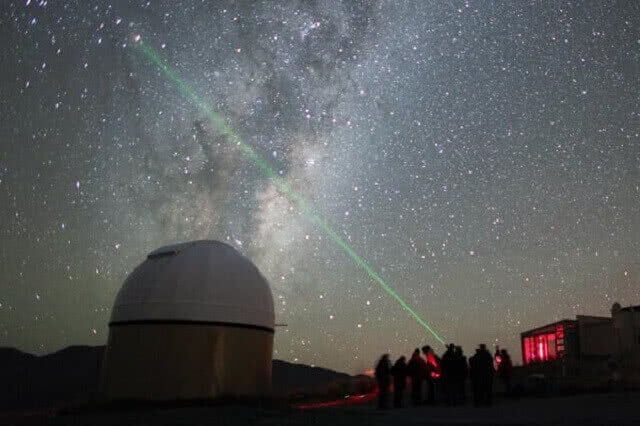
(483, 157)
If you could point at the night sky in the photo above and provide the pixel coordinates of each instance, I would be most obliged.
(483, 157)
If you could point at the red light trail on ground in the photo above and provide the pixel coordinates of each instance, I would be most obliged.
(343, 402)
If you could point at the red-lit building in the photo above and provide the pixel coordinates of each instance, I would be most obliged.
(588, 350)
(548, 342)
(586, 336)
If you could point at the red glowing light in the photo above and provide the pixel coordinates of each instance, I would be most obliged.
(434, 372)
(541, 350)
(544, 346)
(348, 400)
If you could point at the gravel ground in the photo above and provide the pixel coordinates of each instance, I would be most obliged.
(588, 409)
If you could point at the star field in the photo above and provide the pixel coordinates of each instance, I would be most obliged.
(483, 157)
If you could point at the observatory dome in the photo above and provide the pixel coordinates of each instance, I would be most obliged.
(199, 281)
(192, 321)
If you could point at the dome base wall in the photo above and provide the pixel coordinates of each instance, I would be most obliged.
(176, 361)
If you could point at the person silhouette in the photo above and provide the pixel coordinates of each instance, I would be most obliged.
(383, 377)
(482, 371)
(434, 372)
(416, 370)
(505, 368)
(461, 373)
(448, 379)
(399, 373)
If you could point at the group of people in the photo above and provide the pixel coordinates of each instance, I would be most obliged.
(429, 374)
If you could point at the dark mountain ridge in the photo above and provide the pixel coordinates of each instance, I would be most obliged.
(71, 376)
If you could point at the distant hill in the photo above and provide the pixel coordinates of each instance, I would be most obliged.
(67, 376)
(71, 376)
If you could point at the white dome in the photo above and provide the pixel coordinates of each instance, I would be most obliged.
(199, 281)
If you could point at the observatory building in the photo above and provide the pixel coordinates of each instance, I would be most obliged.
(193, 321)
(617, 336)
(587, 347)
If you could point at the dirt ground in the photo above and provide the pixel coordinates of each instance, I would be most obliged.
(588, 409)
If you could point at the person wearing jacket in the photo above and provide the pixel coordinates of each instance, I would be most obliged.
(504, 370)
(399, 373)
(461, 373)
(448, 379)
(383, 377)
(416, 370)
(434, 373)
(482, 371)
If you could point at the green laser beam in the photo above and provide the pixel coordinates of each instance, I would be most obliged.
(281, 184)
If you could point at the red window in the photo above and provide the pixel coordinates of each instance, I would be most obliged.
(544, 346)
